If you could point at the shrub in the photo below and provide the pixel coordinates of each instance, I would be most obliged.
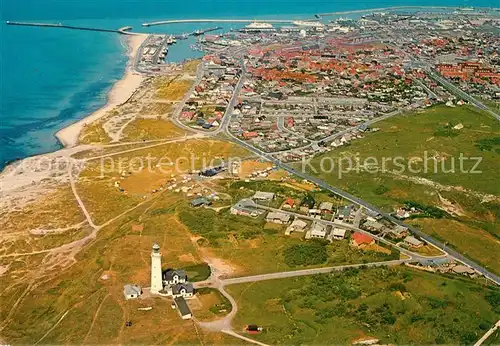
(381, 189)
(305, 254)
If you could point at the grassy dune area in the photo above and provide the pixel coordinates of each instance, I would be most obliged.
(98, 188)
(395, 305)
(89, 294)
(438, 136)
(171, 89)
(144, 129)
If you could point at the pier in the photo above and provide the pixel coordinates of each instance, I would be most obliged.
(124, 30)
(204, 31)
(165, 22)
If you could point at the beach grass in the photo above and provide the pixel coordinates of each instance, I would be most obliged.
(146, 129)
(58, 209)
(94, 133)
(171, 89)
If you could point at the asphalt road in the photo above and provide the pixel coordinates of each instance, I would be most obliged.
(453, 88)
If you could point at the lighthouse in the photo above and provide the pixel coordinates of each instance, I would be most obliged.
(156, 279)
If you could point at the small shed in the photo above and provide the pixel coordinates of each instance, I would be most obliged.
(132, 291)
(263, 196)
(413, 242)
(183, 308)
(200, 201)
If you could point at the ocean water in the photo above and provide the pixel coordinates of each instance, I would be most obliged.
(50, 78)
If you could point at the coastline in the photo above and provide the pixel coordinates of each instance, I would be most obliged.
(119, 93)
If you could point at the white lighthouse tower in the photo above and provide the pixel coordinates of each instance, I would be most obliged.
(156, 279)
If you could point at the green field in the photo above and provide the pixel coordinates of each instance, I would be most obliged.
(396, 305)
(214, 304)
(197, 272)
(471, 201)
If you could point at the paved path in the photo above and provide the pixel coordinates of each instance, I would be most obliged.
(305, 272)
(236, 335)
(488, 334)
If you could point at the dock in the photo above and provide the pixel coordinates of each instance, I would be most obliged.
(124, 30)
(204, 31)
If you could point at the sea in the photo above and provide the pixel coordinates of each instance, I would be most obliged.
(50, 78)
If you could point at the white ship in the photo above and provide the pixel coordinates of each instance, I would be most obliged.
(308, 24)
(258, 26)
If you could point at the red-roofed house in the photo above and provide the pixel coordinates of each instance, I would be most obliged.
(361, 239)
(249, 135)
(289, 203)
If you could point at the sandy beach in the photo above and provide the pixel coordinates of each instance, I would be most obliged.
(118, 94)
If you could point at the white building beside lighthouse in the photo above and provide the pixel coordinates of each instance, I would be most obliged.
(156, 273)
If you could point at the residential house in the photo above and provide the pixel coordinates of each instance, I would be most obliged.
(314, 212)
(413, 242)
(277, 217)
(344, 212)
(173, 276)
(326, 207)
(337, 234)
(296, 226)
(318, 230)
(184, 290)
(359, 239)
(402, 213)
(239, 209)
(373, 226)
(132, 291)
(463, 270)
(263, 196)
(250, 135)
(289, 203)
(307, 203)
(183, 308)
(399, 231)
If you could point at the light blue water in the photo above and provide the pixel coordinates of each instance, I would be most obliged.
(49, 78)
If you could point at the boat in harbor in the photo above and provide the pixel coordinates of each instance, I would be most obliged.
(308, 24)
(258, 26)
